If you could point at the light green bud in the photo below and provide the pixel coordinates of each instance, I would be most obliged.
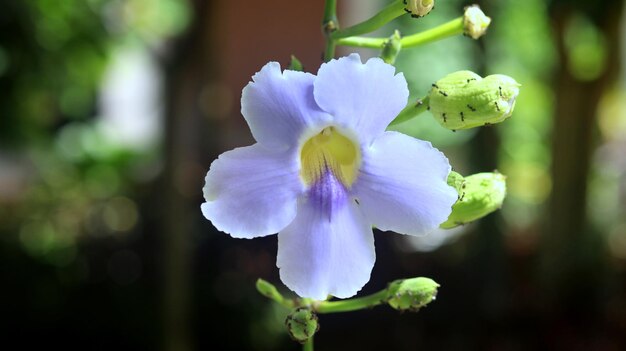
(456, 181)
(268, 290)
(419, 8)
(302, 324)
(295, 64)
(463, 100)
(482, 194)
(475, 22)
(411, 294)
(391, 48)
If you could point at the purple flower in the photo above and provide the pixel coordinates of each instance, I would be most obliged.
(324, 171)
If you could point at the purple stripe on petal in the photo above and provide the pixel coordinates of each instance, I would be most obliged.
(328, 249)
(328, 195)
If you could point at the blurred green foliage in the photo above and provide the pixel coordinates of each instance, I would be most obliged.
(53, 55)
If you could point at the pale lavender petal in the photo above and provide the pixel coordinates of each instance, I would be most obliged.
(361, 97)
(402, 185)
(329, 248)
(279, 106)
(252, 191)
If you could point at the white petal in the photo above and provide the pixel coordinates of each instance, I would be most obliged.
(252, 191)
(361, 97)
(402, 185)
(329, 248)
(279, 106)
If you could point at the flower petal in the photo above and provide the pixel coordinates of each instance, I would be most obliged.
(402, 185)
(329, 248)
(279, 106)
(252, 191)
(362, 97)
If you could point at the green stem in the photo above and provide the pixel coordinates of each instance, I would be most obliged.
(386, 15)
(308, 345)
(330, 25)
(362, 42)
(411, 111)
(352, 304)
(268, 290)
(445, 30)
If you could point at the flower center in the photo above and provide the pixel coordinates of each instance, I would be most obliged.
(329, 150)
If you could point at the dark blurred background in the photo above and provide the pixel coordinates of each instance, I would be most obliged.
(111, 112)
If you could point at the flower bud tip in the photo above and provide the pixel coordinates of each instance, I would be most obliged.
(302, 324)
(411, 294)
(475, 22)
(483, 194)
(419, 8)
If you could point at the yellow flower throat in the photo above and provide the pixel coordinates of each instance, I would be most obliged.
(330, 150)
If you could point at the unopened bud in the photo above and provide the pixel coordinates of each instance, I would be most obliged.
(475, 22)
(267, 289)
(463, 100)
(456, 181)
(419, 8)
(411, 294)
(482, 194)
(302, 324)
(295, 64)
(391, 48)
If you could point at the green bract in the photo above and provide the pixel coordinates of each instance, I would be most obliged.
(411, 294)
(481, 194)
(302, 324)
(464, 100)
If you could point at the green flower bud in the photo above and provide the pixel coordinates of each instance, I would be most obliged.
(475, 22)
(392, 48)
(302, 324)
(268, 290)
(456, 181)
(411, 294)
(482, 194)
(295, 64)
(463, 100)
(419, 8)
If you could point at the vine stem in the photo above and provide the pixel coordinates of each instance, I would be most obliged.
(445, 30)
(386, 15)
(352, 304)
(308, 345)
(411, 111)
(330, 25)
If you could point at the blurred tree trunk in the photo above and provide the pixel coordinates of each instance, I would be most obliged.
(571, 262)
(187, 146)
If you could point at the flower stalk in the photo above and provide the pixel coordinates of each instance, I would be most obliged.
(411, 111)
(349, 305)
(473, 24)
(386, 15)
(452, 28)
(308, 345)
(329, 25)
